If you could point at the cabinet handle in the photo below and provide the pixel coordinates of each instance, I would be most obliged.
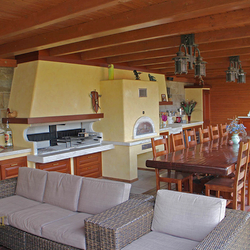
(14, 164)
(55, 164)
(90, 156)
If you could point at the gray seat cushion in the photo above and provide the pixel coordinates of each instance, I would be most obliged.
(187, 215)
(63, 190)
(161, 241)
(98, 195)
(31, 183)
(69, 231)
(13, 204)
(33, 219)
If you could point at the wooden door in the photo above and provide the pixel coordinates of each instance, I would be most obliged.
(206, 108)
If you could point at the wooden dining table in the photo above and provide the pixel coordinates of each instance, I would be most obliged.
(216, 157)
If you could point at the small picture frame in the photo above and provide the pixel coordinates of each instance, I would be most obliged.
(163, 98)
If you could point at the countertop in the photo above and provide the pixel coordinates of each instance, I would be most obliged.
(180, 126)
(74, 152)
(244, 117)
(14, 151)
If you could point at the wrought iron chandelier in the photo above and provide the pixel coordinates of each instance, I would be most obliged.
(235, 71)
(182, 60)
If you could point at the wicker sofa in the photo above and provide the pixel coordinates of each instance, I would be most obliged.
(46, 210)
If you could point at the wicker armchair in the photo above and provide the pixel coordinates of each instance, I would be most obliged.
(232, 233)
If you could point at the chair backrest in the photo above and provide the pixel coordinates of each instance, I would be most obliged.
(242, 164)
(204, 134)
(190, 134)
(177, 141)
(158, 142)
(223, 130)
(214, 130)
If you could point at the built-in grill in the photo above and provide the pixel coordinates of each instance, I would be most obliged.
(61, 137)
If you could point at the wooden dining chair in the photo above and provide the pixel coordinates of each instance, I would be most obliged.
(169, 176)
(223, 130)
(204, 134)
(177, 141)
(190, 136)
(214, 130)
(236, 185)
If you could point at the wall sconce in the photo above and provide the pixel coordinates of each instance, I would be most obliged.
(188, 58)
(235, 71)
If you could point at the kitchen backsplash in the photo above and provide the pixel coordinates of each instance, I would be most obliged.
(178, 94)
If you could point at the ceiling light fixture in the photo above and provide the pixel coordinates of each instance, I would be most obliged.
(182, 60)
(235, 71)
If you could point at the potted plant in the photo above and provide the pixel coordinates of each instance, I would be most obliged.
(188, 107)
(235, 129)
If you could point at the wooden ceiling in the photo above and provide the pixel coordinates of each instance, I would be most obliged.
(133, 34)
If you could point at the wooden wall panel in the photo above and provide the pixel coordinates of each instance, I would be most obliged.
(228, 100)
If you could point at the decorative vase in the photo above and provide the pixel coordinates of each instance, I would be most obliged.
(189, 118)
(111, 71)
(164, 124)
(235, 138)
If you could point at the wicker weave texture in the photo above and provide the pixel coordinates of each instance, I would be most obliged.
(226, 232)
(7, 187)
(93, 223)
(127, 227)
(12, 238)
(34, 242)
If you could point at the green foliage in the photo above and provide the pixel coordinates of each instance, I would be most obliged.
(188, 106)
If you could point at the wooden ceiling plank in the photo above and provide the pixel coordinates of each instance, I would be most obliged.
(199, 24)
(170, 11)
(166, 42)
(222, 45)
(59, 13)
(148, 55)
(223, 34)
(165, 30)
(169, 61)
(231, 44)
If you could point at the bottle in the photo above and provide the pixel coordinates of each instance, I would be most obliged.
(8, 136)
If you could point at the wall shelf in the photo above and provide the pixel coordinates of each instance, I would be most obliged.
(66, 118)
(165, 103)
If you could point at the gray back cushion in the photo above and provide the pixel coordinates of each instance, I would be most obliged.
(98, 195)
(63, 190)
(31, 183)
(186, 215)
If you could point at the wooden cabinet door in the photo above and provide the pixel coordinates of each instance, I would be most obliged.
(62, 166)
(9, 168)
(206, 108)
(88, 165)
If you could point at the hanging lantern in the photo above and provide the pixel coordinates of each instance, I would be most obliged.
(181, 61)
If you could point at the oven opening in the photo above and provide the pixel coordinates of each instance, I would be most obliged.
(144, 127)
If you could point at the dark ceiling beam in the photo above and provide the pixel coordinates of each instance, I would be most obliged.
(64, 11)
(152, 15)
(8, 63)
